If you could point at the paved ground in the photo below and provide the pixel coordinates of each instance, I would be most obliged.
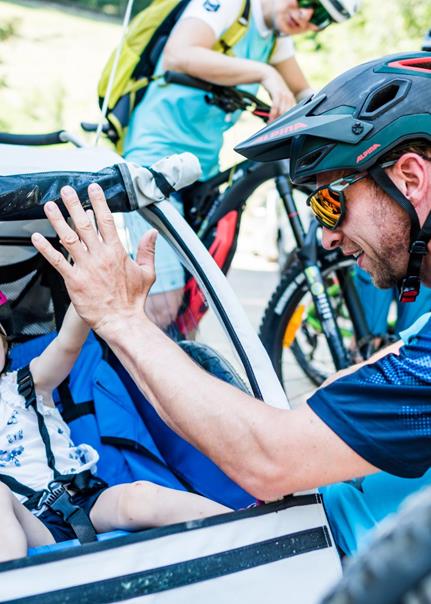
(254, 288)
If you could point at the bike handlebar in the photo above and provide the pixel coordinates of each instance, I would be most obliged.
(48, 138)
(228, 98)
(176, 77)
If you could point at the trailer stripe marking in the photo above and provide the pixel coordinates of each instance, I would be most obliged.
(189, 572)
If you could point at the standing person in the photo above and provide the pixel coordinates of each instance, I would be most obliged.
(172, 118)
(365, 142)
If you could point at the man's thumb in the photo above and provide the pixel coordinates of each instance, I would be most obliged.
(146, 249)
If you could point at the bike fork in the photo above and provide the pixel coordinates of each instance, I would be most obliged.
(307, 255)
(307, 246)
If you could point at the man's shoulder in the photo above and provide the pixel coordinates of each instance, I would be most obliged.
(422, 324)
(218, 14)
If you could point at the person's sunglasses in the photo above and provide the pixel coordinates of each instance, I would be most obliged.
(328, 203)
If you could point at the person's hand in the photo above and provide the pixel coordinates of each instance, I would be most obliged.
(105, 285)
(282, 98)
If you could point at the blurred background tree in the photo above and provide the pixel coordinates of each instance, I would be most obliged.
(52, 53)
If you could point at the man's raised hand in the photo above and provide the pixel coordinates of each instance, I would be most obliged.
(105, 285)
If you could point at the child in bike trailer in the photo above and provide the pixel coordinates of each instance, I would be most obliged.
(49, 491)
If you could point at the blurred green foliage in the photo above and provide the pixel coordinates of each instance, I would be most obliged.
(107, 7)
(382, 27)
(68, 49)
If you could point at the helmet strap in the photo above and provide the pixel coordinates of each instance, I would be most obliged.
(409, 286)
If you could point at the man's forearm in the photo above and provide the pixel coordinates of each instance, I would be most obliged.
(215, 67)
(220, 420)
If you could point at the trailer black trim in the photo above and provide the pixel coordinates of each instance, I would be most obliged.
(156, 533)
(189, 572)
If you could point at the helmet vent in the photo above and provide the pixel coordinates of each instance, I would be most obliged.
(421, 64)
(383, 98)
(307, 162)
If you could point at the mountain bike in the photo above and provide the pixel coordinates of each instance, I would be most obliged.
(315, 312)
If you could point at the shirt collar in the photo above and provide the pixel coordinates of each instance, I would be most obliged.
(264, 31)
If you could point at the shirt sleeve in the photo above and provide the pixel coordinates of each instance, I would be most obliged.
(414, 329)
(383, 410)
(284, 49)
(218, 14)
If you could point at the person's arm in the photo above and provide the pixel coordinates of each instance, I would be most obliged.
(294, 77)
(189, 50)
(269, 452)
(55, 363)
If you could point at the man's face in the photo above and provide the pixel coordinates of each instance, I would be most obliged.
(375, 230)
(287, 18)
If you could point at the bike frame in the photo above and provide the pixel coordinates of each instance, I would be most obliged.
(246, 177)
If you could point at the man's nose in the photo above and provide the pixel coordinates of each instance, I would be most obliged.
(331, 239)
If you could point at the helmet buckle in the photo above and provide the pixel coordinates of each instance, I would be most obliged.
(409, 290)
(419, 248)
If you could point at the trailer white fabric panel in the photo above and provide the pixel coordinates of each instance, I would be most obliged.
(283, 549)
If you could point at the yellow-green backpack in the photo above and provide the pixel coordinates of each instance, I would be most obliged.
(144, 42)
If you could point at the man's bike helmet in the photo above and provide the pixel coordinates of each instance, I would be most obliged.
(351, 124)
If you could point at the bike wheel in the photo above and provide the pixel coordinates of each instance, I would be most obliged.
(290, 329)
(396, 566)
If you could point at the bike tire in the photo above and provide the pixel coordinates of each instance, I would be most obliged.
(281, 309)
(396, 566)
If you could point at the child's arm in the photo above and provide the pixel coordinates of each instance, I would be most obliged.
(56, 361)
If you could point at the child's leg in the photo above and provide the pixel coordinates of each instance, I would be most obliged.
(19, 529)
(144, 504)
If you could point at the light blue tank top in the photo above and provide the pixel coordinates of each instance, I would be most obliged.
(173, 119)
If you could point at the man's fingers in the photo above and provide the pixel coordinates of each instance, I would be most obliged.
(104, 217)
(53, 256)
(146, 250)
(67, 235)
(81, 220)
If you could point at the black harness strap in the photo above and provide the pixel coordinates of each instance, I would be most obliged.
(26, 389)
(33, 497)
(71, 410)
(409, 286)
(55, 496)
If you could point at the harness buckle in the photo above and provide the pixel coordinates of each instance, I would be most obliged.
(50, 495)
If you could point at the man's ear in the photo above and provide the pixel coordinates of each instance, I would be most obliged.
(412, 175)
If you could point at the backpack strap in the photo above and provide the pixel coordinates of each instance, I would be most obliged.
(236, 31)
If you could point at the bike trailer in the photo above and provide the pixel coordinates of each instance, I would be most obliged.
(280, 550)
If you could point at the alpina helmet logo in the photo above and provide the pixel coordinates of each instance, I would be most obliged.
(280, 132)
(367, 152)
